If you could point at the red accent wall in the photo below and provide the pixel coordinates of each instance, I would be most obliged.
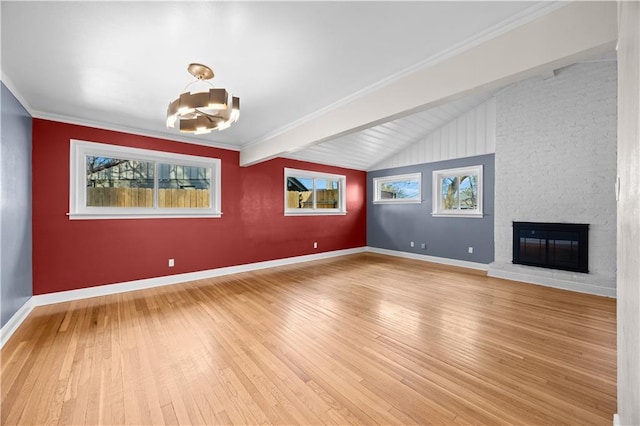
(73, 254)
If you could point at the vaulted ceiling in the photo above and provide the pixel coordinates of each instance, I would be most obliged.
(293, 64)
(362, 150)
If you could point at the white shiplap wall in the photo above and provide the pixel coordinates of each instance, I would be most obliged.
(472, 133)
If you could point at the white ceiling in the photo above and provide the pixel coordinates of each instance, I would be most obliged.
(118, 64)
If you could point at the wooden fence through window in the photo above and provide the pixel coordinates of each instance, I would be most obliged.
(143, 197)
(326, 199)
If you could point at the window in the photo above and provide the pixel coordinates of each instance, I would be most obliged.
(458, 192)
(398, 189)
(313, 193)
(109, 181)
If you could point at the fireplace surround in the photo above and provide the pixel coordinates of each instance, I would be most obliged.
(563, 246)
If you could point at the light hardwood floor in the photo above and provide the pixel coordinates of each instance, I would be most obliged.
(361, 339)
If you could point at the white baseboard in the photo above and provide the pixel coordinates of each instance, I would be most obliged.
(616, 420)
(552, 278)
(65, 296)
(104, 290)
(433, 259)
(14, 322)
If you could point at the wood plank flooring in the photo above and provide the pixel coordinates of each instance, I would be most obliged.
(361, 339)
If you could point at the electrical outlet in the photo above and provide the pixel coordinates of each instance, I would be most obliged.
(412, 244)
(470, 249)
(172, 263)
(315, 244)
(423, 246)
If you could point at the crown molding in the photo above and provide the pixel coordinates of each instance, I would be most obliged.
(130, 130)
(15, 92)
(106, 126)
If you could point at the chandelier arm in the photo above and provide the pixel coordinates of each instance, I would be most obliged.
(196, 81)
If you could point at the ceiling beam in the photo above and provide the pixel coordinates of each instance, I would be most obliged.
(557, 39)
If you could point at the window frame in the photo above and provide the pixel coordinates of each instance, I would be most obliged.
(78, 152)
(342, 188)
(439, 175)
(377, 186)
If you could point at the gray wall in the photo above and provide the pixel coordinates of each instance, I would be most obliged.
(393, 227)
(15, 216)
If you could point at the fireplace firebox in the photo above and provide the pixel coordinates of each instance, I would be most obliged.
(562, 246)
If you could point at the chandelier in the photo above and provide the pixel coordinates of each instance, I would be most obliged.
(204, 111)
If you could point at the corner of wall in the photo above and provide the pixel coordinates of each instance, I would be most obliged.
(16, 266)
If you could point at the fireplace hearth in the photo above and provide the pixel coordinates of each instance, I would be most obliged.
(563, 246)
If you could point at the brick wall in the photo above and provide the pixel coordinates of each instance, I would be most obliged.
(556, 161)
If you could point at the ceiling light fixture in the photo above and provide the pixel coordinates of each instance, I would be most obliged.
(204, 111)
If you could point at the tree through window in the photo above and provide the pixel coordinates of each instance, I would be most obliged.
(458, 192)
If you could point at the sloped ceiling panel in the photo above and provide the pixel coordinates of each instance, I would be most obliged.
(364, 149)
(471, 133)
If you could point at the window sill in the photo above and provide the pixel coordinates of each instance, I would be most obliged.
(461, 215)
(316, 213)
(397, 202)
(101, 216)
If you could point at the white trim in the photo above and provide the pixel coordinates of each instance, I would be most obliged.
(66, 296)
(616, 420)
(342, 192)
(14, 322)
(378, 181)
(467, 215)
(91, 216)
(109, 289)
(311, 174)
(318, 212)
(16, 93)
(437, 178)
(432, 259)
(104, 290)
(534, 275)
(168, 136)
(78, 209)
(398, 201)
